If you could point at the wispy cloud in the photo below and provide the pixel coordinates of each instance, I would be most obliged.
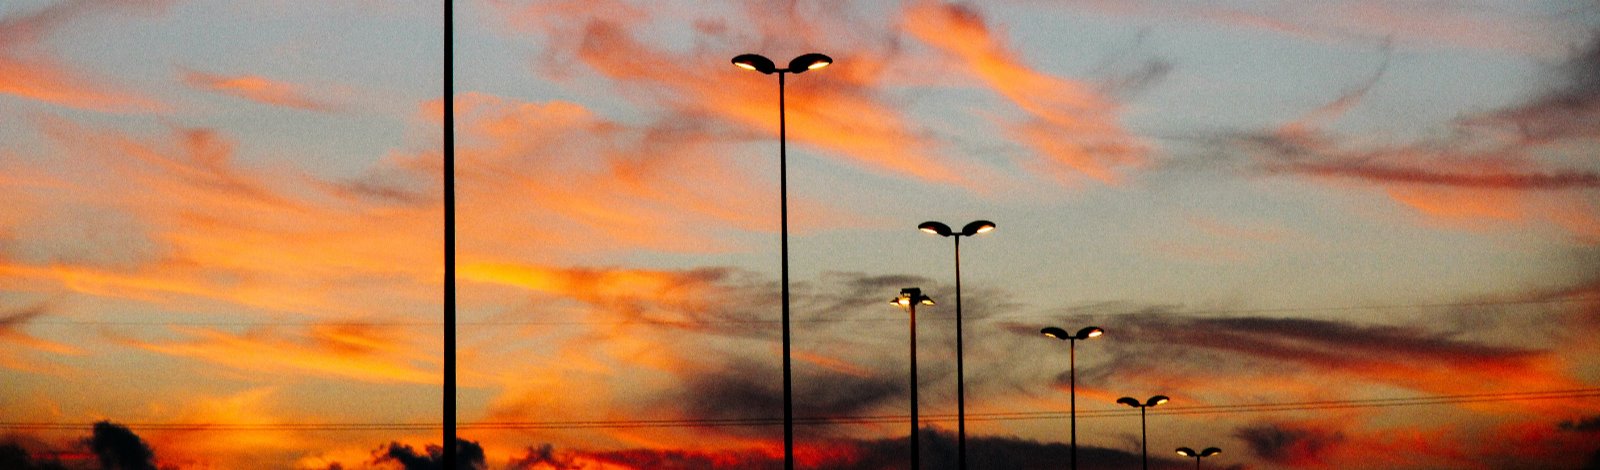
(256, 88)
(16, 356)
(1498, 166)
(366, 353)
(1468, 26)
(841, 110)
(29, 70)
(1070, 123)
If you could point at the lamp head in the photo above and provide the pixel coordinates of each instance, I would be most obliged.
(1129, 401)
(1210, 451)
(1186, 452)
(936, 228)
(1157, 400)
(1054, 332)
(1089, 332)
(909, 295)
(810, 61)
(977, 227)
(755, 62)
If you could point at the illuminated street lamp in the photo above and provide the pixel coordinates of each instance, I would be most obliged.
(940, 229)
(1072, 374)
(909, 298)
(1187, 452)
(1144, 448)
(764, 65)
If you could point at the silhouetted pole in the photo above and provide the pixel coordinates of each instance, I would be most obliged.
(1144, 442)
(798, 65)
(1072, 373)
(909, 298)
(1144, 450)
(449, 239)
(974, 228)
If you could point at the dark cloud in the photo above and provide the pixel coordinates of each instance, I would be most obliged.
(1288, 444)
(14, 457)
(748, 390)
(1589, 424)
(1490, 150)
(469, 455)
(543, 455)
(120, 449)
(14, 318)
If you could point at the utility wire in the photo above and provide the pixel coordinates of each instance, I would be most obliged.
(1571, 394)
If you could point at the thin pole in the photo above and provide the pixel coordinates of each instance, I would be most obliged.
(961, 381)
(915, 433)
(1072, 381)
(1144, 441)
(1196, 461)
(449, 238)
(783, 200)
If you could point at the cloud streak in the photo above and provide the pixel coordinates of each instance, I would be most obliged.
(1069, 123)
(256, 88)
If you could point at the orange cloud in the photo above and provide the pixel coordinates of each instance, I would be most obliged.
(839, 110)
(1072, 124)
(256, 88)
(15, 356)
(356, 352)
(28, 71)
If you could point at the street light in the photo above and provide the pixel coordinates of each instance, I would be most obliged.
(940, 229)
(1144, 448)
(909, 298)
(1072, 367)
(764, 65)
(1187, 452)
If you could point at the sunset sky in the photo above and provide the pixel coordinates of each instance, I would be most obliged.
(1339, 234)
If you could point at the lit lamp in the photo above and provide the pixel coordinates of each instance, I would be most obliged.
(1144, 448)
(940, 229)
(1187, 452)
(1072, 374)
(764, 65)
(909, 298)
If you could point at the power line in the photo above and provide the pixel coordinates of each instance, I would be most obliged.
(705, 322)
(838, 420)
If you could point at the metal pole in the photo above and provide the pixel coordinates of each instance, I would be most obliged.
(783, 196)
(449, 239)
(1144, 441)
(961, 381)
(1072, 380)
(915, 433)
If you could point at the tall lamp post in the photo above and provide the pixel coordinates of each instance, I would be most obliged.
(940, 229)
(909, 298)
(1187, 452)
(1072, 374)
(764, 65)
(1144, 439)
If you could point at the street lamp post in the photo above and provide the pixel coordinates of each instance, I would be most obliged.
(909, 298)
(1144, 448)
(1072, 374)
(1187, 452)
(973, 228)
(764, 65)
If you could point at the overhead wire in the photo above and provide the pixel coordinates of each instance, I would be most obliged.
(1175, 410)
